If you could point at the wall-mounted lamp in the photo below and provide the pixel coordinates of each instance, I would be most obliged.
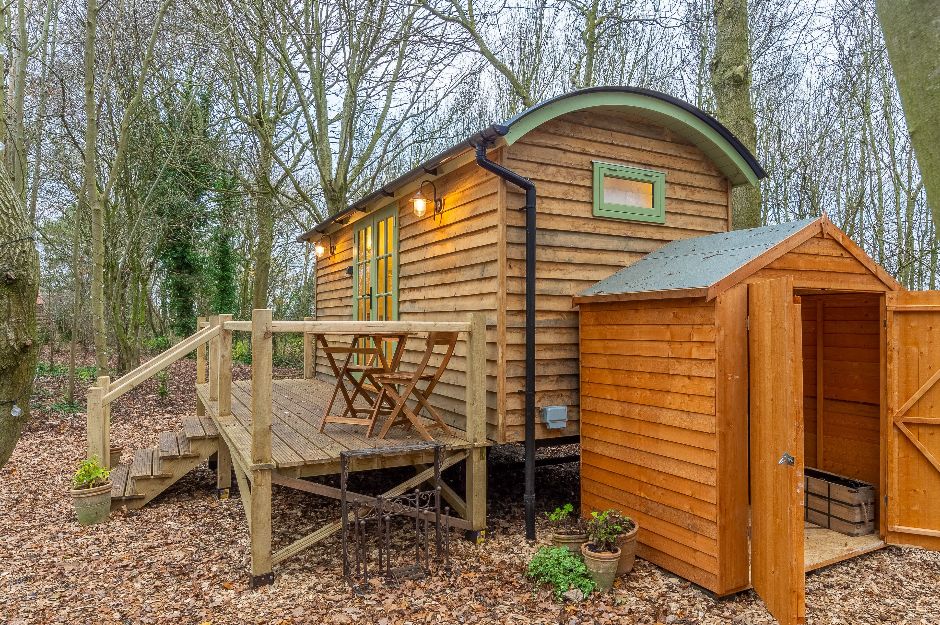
(320, 249)
(420, 203)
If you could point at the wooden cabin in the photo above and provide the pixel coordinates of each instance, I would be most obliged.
(716, 368)
(619, 172)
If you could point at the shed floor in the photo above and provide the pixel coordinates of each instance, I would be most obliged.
(824, 546)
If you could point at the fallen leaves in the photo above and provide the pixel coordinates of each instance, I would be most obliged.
(184, 557)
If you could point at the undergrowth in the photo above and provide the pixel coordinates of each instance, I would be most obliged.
(561, 569)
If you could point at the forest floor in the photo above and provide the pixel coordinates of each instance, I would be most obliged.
(183, 558)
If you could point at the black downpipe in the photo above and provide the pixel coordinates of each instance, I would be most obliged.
(529, 187)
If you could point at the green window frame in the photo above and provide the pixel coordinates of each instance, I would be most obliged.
(656, 213)
(375, 266)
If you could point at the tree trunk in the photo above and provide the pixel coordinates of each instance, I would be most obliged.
(264, 211)
(19, 286)
(912, 36)
(731, 83)
(17, 160)
(93, 199)
(76, 301)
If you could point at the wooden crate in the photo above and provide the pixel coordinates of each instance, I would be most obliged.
(839, 503)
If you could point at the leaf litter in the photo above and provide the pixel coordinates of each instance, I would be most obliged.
(183, 558)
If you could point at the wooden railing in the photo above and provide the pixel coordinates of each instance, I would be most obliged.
(217, 330)
(263, 328)
(104, 393)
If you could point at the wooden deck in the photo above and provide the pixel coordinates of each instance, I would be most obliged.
(298, 448)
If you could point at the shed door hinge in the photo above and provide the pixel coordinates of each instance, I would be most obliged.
(747, 323)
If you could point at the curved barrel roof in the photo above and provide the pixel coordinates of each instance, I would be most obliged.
(707, 133)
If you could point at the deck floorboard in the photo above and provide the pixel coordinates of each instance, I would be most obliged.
(298, 407)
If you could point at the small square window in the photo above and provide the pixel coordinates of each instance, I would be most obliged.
(622, 192)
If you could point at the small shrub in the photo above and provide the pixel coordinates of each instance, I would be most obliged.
(66, 407)
(157, 344)
(90, 474)
(87, 372)
(603, 529)
(241, 351)
(561, 569)
(564, 521)
(163, 383)
(288, 351)
(50, 369)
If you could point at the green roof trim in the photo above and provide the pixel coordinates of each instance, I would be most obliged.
(717, 147)
(731, 157)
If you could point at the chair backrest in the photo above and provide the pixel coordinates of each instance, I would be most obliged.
(448, 339)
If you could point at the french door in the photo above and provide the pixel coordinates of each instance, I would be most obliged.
(375, 266)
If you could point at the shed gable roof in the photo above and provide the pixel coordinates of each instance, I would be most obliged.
(706, 266)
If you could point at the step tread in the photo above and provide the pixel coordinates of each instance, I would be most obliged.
(186, 449)
(147, 465)
(193, 428)
(197, 428)
(169, 444)
(209, 426)
(122, 486)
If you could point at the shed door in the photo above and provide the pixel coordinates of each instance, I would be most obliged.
(776, 434)
(913, 418)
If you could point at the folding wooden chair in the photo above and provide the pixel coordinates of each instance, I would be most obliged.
(390, 382)
(357, 375)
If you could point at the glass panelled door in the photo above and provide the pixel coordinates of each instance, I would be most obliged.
(375, 279)
(362, 283)
(386, 291)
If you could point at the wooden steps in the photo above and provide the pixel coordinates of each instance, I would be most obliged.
(153, 470)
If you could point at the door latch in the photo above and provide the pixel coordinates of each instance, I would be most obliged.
(786, 458)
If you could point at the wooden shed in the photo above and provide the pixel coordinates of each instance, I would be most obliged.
(716, 368)
(381, 259)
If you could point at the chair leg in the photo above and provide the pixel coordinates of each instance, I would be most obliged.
(375, 412)
(394, 415)
(435, 416)
(402, 411)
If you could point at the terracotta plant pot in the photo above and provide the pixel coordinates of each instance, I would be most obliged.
(572, 542)
(92, 505)
(627, 544)
(602, 565)
(114, 456)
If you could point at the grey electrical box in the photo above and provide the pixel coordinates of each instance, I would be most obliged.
(555, 417)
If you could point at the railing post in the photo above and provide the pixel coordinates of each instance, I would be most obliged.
(214, 361)
(200, 355)
(104, 383)
(200, 367)
(476, 423)
(261, 354)
(98, 422)
(308, 353)
(225, 367)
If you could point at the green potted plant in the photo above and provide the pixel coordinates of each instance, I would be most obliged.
(627, 544)
(563, 571)
(567, 528)
(91, 492)
(601, 553)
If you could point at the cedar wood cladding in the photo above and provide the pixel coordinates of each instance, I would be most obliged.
(472, 257)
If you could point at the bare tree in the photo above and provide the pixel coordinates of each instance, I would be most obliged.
(731, 84)
(19, 286)
(912, 34)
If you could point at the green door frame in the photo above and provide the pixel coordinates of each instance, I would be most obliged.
(373, 220)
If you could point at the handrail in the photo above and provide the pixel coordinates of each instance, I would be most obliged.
(353, 327)
(155, 365)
